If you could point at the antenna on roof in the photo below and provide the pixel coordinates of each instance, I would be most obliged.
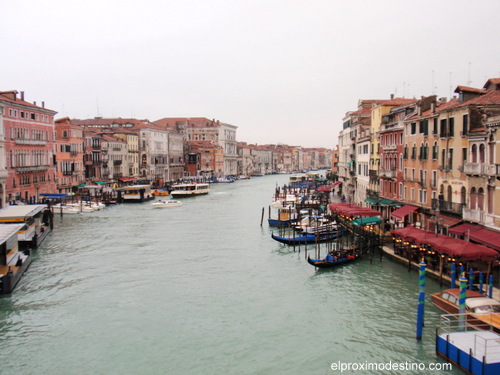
(468, 76)
(97, 104)
(451, 89)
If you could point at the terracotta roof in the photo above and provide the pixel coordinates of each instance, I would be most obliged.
(398, 101)
(109, 121)
(5, 97)
(470, 89)
(490, 98)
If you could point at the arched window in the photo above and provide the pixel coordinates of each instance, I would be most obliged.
(473, 199)
(463, 195)
(491, 191)
(480, 199)
(481, 153)
(449, 194)
(474, 154)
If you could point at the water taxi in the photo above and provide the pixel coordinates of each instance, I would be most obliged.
(136, 193)
(165, 204)
(482, 312)
(13, 263)
(189, 190)
(36, 220)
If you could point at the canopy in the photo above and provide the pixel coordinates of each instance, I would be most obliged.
(373, 220)
(487, 237)
(372, 200)
(388, 202)
(127, 179)
(55, 195)
(336, 183)
(447, 245)
(324, 188)
(400, 213)
(446, 221)
(100, 182)
(463, 229)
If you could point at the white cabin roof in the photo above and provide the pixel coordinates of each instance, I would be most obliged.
(8, 230)
(17, 212)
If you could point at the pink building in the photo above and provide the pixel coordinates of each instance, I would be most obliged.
(29, 148)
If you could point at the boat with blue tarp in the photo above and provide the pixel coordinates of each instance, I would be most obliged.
(307, 238)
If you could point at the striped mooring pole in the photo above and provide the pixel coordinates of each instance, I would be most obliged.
(453, 275)
(421, 301)
(461, 302)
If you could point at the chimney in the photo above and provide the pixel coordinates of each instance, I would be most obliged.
(43, 104)
(392, 96)
(433, 107)
(34, 103)
(22, 95)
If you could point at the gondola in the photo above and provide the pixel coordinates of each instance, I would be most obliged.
(306, 238)
(321, 263)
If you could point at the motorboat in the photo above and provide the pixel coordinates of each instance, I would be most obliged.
(164, 204)
(189, 190)
(482, 312)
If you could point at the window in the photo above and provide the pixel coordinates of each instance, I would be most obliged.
(451, 132)
(442, 128)
(450, 159)
(464, 155)
(465, 124)
(413, 128)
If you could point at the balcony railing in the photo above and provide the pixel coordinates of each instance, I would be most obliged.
(388, 173)
(32, 168)
(473, 215)
(33, 142)
(445, 206)
(474, 169)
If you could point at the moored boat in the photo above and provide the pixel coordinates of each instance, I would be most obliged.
(189, 190)
(482, 312)
(332, 261)
(307, 238)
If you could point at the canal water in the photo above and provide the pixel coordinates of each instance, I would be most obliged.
(203, 289)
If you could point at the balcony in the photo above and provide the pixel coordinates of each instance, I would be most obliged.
(474, 169)
(117, 162)
(389, 147)
(32, 168)
(492, 170)
(476, 216)
(388, 173)
(32, 142)
(445, 206)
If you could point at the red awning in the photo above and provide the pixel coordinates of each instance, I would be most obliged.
(486, 237)
(463, 229)
(400, 213)
(127, 179)
(336, 183)
(446, 221)
(324, 188)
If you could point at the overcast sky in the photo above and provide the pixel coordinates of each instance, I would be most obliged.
(283, 71)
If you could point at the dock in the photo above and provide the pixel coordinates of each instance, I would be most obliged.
(476, 352)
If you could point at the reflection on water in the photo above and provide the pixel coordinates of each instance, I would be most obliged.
(202, 289)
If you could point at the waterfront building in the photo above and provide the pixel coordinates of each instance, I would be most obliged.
(477, 114)
(153, 149)
(203, 129)
(355, 123)
(114, 157)
(204, 159)
(377, 112)
(176, 156)
(245, 160)
(29, 148)
(132, 160)
(69, 151)
(391, 154)
(3, 159)
(92, 157)
(263, 158)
